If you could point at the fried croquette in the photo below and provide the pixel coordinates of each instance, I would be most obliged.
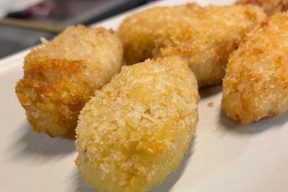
(205, 36)
(137, 129)
(62, 75)
(256, 81)
(270, 6)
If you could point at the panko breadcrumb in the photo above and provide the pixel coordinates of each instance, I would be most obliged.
(137, 129)
(270, 6)
(62, 75)
(256, 81)
(205, 36)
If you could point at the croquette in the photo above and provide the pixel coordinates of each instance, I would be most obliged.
(62, 75)
(256, 81)
(270, 6)
(205, 36)
(136, 130)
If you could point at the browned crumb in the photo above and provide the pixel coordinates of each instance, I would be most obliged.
(270, 6)
(211, 104)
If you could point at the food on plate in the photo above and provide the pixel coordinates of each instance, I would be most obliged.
(137, 129)
(205, 36)
(270, 6)
(62, 75)
(256, 81)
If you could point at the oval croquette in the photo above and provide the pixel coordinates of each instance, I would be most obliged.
(137, 129)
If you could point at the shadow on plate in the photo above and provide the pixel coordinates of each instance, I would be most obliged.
(34, 146)
(166, 186)
(210, 91)
(172, 179)
(254, 128)
(81, 185)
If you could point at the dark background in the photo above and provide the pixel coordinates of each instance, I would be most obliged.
(51, 16)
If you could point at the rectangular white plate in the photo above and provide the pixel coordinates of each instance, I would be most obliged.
(225, 157)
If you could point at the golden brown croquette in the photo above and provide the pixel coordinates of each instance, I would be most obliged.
(205, 36)
(256, 81)
(62, 75)
(137, 129)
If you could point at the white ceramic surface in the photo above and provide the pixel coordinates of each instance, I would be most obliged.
(224, 157)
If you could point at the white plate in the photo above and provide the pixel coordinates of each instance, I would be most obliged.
(225, 157)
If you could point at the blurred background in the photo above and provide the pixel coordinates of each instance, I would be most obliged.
(24, 22)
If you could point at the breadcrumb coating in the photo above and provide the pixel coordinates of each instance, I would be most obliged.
(256, 81)
(270, 6)
(205, 36)
(137, 129)
(62, 75)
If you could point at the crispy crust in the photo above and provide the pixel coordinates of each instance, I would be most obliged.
(270, 6)
(256, 81)
(62, 75)
(204, 36)
(137, 129)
